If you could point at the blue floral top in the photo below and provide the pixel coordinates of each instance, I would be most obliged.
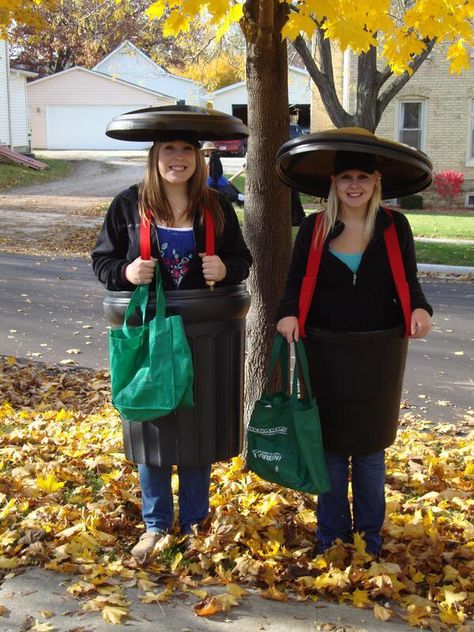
(177, 249)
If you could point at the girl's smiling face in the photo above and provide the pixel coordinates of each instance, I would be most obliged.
(176, 161)
(355, 188)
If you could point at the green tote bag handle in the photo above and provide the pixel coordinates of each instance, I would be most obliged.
(139, 301)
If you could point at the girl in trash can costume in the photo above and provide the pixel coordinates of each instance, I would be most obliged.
(174, 190)
(355, 292)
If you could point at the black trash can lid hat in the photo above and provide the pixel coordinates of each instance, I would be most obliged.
(307, 162)
(176, 122)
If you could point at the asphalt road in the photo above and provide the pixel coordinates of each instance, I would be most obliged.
(51, 311)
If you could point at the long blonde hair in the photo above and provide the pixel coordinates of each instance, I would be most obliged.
(334, 207)
(152, 196)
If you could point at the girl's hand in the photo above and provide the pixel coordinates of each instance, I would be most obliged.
(420, 323)
(288, 327)
(213, 268)
(140, 271)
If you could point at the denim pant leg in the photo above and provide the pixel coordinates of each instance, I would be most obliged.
(333, 511)
(193, 495)
(157, 497)
(368, 493)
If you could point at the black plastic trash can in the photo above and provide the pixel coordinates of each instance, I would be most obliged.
(357, 380)
(213, 430)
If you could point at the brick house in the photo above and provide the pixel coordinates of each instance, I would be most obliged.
(434, 112)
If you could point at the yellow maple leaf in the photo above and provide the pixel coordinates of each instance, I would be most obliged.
(50, 484)
(418, 614)
(212, 605)
(451, 597)
(382, 613)
(360, 598)
(450, 616)
(114, 614)
(43, 627)
(298, 23)
(176, 561)
(7, 562)
(274, 594)
(236, 590)
(156, 10)
(151, 597)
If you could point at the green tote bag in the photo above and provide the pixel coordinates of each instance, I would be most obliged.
(284, 442)
(150, 365)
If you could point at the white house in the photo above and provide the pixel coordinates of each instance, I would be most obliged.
(13, 104)
(233, 99)
(71, 109)
(129, 63)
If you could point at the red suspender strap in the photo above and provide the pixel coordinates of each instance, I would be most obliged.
(145, 247)
(398, 271)
(309, 280)
(209, 222)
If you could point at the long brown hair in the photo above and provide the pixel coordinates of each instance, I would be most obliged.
(152, 196)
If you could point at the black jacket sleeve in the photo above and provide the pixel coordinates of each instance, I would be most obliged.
(110, 255)
(233, 251)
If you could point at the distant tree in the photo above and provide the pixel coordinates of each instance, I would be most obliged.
(214, 62)
(81, 32)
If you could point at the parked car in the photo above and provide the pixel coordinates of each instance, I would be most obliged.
(232, 147)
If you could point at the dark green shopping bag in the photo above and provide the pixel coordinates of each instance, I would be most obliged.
(284, 442)
(151, 366)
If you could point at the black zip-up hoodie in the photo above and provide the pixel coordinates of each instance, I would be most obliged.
(344, 301)
(118, 244)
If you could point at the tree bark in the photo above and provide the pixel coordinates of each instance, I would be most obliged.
(375, 89)
(267, 218)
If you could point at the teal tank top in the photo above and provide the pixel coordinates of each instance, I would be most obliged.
(351, 259)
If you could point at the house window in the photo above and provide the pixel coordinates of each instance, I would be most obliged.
(411, 123)
(470, 199)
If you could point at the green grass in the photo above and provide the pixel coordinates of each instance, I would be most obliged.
(445, 254)
(18, 176)
(438, 253)
(443, 225)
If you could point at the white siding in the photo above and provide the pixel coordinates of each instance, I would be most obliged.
(224, 100)
(299, 91)
(130, 64)
(19, 114)
(87, 89)
(4, 118)
(299, 87)
(83, 127)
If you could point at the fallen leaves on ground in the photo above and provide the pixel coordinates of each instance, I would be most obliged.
(70, 502)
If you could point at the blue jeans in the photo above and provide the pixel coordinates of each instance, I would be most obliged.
(368, 501)
(157, 496)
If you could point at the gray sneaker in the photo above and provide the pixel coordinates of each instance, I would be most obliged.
(145, 545)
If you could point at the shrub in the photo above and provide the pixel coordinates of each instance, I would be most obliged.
(411, 202)
(448, 184)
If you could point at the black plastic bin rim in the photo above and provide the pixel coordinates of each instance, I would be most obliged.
(354, 337)
(217, 292)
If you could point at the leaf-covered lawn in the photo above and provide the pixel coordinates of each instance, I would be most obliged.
(70, 502)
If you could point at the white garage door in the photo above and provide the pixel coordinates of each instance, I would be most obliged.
(83, 126)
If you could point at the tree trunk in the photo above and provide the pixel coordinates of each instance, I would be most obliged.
(267, 218)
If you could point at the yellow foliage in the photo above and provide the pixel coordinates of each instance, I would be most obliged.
(114, 614)
(257, 533)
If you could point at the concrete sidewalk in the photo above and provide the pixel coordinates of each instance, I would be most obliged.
(33, 591)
